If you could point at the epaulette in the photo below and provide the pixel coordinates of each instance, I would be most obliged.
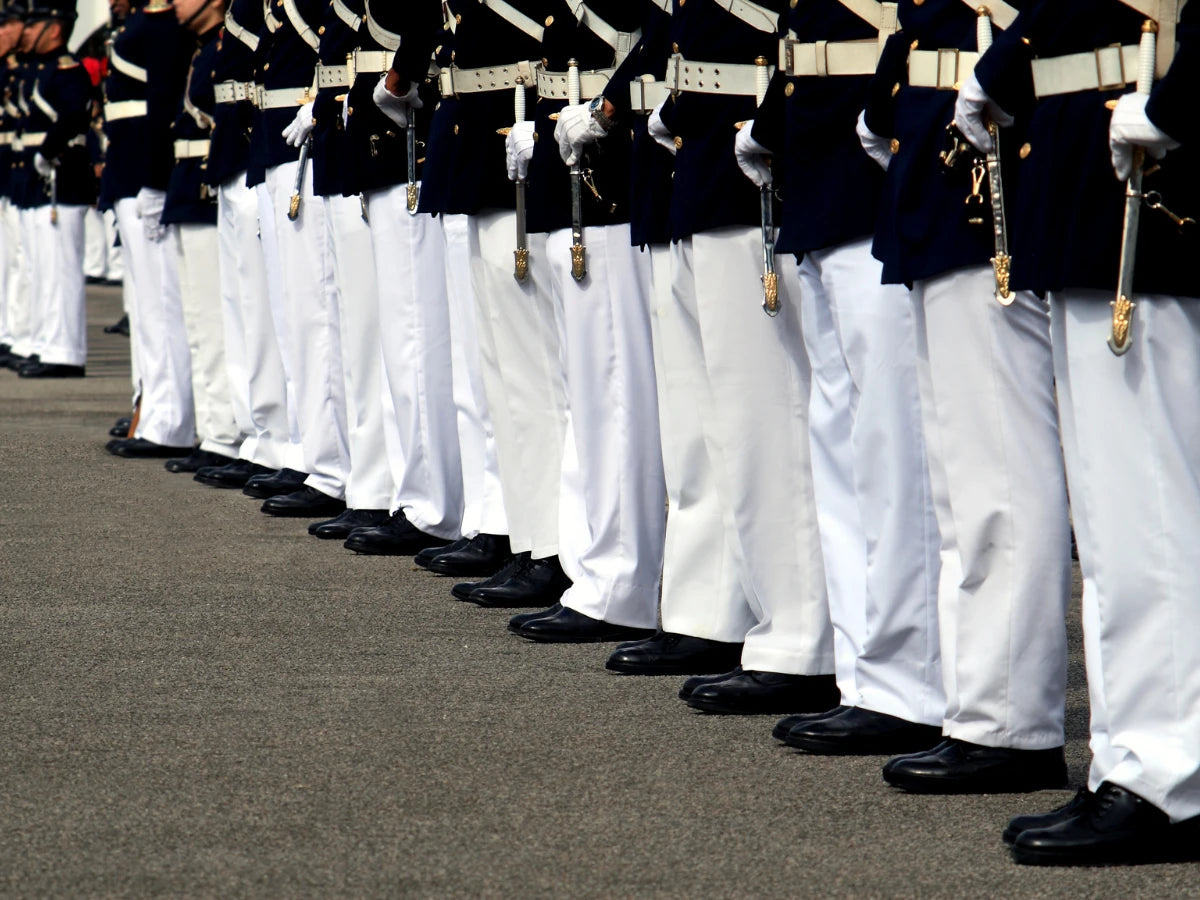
(67, 61)
(157, 6)
(11, 59)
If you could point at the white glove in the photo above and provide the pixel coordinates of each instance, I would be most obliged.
(150, 203)
(659, 131)
(396, 106)
(576, 128)
(969, 109)
(878, 148)
(300, 127)
(44, 166)
(1130, 128)
(752, 156)
(518, 150)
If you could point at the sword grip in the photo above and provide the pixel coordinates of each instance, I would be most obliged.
(1147, 53)
(573, 86)
(519, 100)
(983, 29)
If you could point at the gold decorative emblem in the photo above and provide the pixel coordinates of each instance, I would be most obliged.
(294, 208)
(771, 293)
(578, 262)
(1122, 323)
(521, 269)
(413, 193)
(1002, 265)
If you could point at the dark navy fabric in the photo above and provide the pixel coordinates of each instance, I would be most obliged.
(330, 174)
(1068, 219)
(710, 190)
(9, 78)
(64, 84)
(189, 199)
(829, 186)
(285, 62)
(229, 153)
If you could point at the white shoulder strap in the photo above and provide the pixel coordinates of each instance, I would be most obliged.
(1166, 14)
(516, 18)
(757, 17)
(346, 14)
(664, 5)
(239, 32)
(621, 41)
(43, 104)
(307, 34)
(125, 67)
(384, 38)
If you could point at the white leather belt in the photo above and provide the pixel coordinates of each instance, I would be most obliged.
(124, 109)
(6, 138)
(645, 94)
(757, 17)
(941, 69)
(37, 138)
(691, 77)
(553, 85)
(278, 98)
(369, 62)
(191, 149)
(455, 81)
(332, 76)
(1104, 69)
(233, 91)
(828, 58)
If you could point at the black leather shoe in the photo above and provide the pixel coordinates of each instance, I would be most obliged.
(568, 626)
(517, 622)
(959, 767)
(756, 693)
(539, 582)
(862, 732)
(515, 563)
(273, 484)
(426, 556)
(395, 536)
(196, 460)
(787, 723)
(121, 427)
(50, 370)
(121, 326)
(234, 475)
(1043, 820)
(305, 503)
(340, 526)
(1113, 827)
(139, 448)
(666, 653)
(14, 361)
(690, 685)
(483, 555)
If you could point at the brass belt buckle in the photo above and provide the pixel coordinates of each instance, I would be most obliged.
(1101, 84)
(947, 59)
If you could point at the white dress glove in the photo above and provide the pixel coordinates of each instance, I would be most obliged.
(576, 128)
(300, 127)
(752, 156)
(659, 130)
(518, 150)
(969, 111)
(1131, 128)
(44, 166)
(878, 148)
(150, 203)
(396, 107)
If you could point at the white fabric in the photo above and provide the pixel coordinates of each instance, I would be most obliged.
(167, 415)
(280, 331)
(757, 436)
(397, 107)
(972, 108)
(150, 205)
(608, 360)
(876, 147)
(752, 157)
(1131, 436)
(95, 252)
(60, 320)
(989, 410)
(879, 533)
(13, 279)
(483, 500)
(576, 128)
(522, 376)
(311, 346)
(236, 338)
(370, 482)
(200, 293)
(114, 265)
(518, 150)
(414, 323)
(658, 130)
(702, 594)
(1131, 128)
(8, 249)
(298, 130)
(21, 313)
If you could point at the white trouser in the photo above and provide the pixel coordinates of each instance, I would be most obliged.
(230, 230)
(8, 248)
(608, 359)
(15, 276)
(414, 324)
(756, 430)
(990, 412)
(1131, 437)
(879, 533)
(114, 264)
(95, 250)
(310, 342)
(129, 307)
(702, 594)
(59, 333)
(200, 291)
(483, 499)
(370, 482)
(167, 416)
(523, 379)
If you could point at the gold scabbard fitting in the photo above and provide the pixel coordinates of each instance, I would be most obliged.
(771, 293)
(1122, 325)
(1002, 265)
(294, 207)
(521, 264)
(413, 194)
(578, 262)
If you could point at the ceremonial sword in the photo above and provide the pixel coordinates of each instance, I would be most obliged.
(578, 251)
(521, 254)
(54, 196)
(298, 188)
(414, 190)
(1002, 261)
(1122, 306)
(766, 200)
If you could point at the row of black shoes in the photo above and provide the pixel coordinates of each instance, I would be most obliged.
(32, 366)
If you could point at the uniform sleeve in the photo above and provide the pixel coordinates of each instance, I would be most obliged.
(616, 91)
(1172, 105)
(72, 100)
(419, 31)
(1004, 72)
(770, 118)
(166, 74)
(891, 70)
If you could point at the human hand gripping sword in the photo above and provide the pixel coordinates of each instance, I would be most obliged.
(1002, 261)
(1122, 306)
(298, 188)
(766, 199)
(578, 251)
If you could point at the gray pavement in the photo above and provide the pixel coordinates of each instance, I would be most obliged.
(202, 701)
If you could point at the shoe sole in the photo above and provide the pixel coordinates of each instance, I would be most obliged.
(573, 639)
(834, 747)
(720, 709)
(917, 785)
(300, 513)
(1144, 854)
(374, 551)
(217, 484)
(624, 669)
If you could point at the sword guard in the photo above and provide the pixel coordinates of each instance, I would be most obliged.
(1122, 325)
(414, 192)
(578, 262)
(770, 294)
(521, 264)
(294, 207)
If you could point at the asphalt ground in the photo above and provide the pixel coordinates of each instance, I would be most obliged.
(202, 701)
